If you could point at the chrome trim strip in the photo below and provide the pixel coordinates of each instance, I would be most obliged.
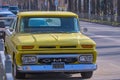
(58, 56)
(49, 68)
(55, 56)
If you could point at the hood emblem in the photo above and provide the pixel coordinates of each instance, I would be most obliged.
(57, 60)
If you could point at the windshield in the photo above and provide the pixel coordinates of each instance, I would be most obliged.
(49, 25)
(7, 20)
(13, 8)
(6, 15)
(4, 7)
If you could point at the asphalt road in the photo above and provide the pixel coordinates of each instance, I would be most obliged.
(108, 47)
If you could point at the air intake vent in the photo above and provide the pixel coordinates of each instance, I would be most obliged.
(67, 46)
(47, 46)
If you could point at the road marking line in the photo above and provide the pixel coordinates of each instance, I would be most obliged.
(101, 36)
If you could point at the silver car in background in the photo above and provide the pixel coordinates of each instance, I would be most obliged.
(6, 20)
(6, 13)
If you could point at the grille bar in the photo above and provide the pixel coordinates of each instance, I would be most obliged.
(58, 46)
(67, 46)
(66, 60)
(47, 46)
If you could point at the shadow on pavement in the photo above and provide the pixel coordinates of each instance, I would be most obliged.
(51, 76)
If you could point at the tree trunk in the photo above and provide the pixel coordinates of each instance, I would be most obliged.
(70, 3)
(79, 5)
(52, 5)
(93, 7)
(118, 10)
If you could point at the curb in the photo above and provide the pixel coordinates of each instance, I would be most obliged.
(115, 24)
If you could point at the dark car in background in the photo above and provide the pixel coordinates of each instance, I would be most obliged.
(14, 9)
(4, 7)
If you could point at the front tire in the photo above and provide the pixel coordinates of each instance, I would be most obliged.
(17, 74)
(86, 75)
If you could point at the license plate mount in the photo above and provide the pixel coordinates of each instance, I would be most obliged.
(58, 65)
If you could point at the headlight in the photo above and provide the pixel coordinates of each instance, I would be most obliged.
(29, 59)
(86, 58)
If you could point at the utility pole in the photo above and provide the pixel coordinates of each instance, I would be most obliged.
(29, 5)
(77, 6)
(89, 7)
(115, 9)
(56, 4)
(82, 6)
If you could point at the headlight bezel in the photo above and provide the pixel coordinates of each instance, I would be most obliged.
(29, 59)
(86, 58)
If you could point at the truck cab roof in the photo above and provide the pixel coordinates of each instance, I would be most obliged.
(48, 13)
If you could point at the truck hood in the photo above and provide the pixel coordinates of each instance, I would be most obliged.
(63, 39)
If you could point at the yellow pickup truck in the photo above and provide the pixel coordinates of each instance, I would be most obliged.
(49, 41)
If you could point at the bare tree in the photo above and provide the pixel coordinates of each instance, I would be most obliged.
(52, 5)
(118, 10)
(70, 3)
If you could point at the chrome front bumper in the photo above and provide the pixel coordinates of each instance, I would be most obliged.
(49, 68)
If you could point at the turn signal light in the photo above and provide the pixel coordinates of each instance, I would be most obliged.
(87, 46)
(27, 47)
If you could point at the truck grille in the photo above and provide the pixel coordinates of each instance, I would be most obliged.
(67, 60)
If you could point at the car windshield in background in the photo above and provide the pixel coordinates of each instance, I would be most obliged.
(49, 25)
(4, 7)
(7, 20)
(4, 13)
(13, 8)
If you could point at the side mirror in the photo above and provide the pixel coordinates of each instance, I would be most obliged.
(85, 30)
(10, 29)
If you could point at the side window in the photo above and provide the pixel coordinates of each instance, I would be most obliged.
(22, 25)
(11, 29)
(76, 24)
(13, 25)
